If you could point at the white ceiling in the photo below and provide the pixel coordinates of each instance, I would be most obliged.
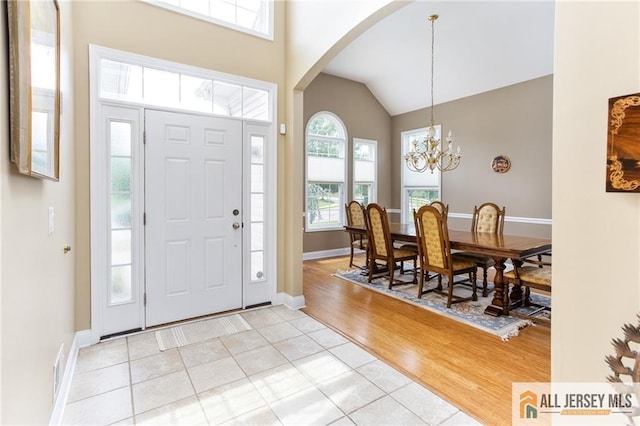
(479, 46)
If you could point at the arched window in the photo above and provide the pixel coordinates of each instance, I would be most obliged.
(326, 141)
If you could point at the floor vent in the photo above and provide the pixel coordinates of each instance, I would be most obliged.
(57, 372)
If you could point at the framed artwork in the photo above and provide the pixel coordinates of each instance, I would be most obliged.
(501, 164)
(623, 144)
(34, 86)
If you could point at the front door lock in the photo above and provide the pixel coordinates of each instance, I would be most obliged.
(236, 212)
(236, 225)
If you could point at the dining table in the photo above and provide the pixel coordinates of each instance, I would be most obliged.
(499, 246)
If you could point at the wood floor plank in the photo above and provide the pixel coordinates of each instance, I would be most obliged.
(469, 368)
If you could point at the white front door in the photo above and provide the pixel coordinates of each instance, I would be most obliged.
(193, 209)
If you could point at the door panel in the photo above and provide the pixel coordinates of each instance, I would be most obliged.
(193, 181)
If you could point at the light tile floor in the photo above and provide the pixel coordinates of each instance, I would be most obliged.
(288, 370)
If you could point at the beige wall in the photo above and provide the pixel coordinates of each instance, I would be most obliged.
(141, 28)
(515, 121)
(365, 118)
(36, 277)
(596, 235)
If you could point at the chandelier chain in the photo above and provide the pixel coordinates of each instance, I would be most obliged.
(433, 39)
(430, 153)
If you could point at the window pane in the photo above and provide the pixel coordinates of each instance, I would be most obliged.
(120, 284)
(120, 138)
(120, 174)
(362, 193)
(257, 207)
(257, 149)
(257, 265)
(364, 152)
(255, 104)
(121, 247)
(257, 236)
(161, 87)
(120, 210)
(224, 11)
(257, 178)
(227, 99)
(325, 125)
(120, 81)
(418, 198)
(325, 204)
(195, 93)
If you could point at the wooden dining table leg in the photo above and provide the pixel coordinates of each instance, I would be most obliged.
(500, 303)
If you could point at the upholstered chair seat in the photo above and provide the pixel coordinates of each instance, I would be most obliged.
(434, 252)
(381, 244)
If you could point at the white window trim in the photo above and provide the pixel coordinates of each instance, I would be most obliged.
(98, 172)
(374, 195)
(307, 228)
(404, 138)
(270, 18)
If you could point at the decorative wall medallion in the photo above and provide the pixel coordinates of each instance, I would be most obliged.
(623, 147)
(501, 164)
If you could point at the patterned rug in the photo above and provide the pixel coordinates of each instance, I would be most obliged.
(198, 331)
(471, 313)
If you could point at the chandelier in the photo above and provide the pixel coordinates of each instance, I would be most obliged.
(429, 154)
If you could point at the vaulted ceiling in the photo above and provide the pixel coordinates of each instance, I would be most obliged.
(479, 46)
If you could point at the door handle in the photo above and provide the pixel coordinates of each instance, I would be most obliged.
(236, 225)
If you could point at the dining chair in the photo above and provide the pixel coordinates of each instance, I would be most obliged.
(441, 207)
(444, 211)
(357, 240)
(381, 244)
(434, 252)
(487, 217)
(530, 273)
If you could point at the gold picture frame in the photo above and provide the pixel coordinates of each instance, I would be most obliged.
(34, 86)
(623, 144)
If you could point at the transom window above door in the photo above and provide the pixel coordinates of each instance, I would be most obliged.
(125, 81)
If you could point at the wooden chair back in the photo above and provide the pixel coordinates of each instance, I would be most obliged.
(442, 207)
(355, 214)
(432, 236)
(488, 217)
(378, 232)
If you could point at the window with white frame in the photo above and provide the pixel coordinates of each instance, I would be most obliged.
(126, 81)
(418, 188)
(326, 172)
(250, 16)
(365, 165)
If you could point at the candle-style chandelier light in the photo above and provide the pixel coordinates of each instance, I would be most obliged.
(429, 154)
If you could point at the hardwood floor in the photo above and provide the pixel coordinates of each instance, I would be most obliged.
(469, 368)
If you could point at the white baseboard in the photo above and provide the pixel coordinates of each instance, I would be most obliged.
(80, 340)
(292, 302)
(325, 253)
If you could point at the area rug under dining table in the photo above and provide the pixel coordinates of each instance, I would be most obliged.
(470, 313)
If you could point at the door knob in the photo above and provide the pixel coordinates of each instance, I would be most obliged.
(236, 225)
